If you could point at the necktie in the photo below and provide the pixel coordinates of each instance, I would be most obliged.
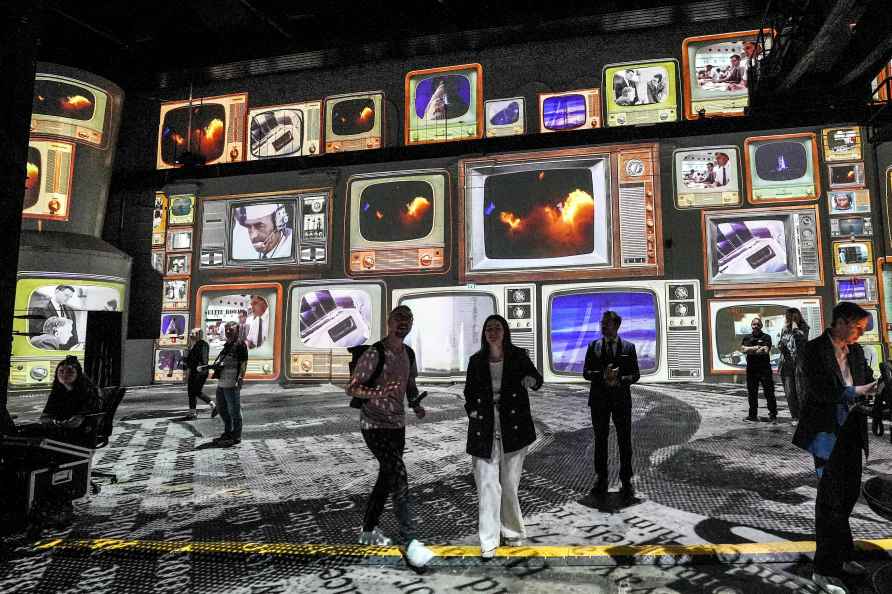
(611, 348)
(724, 176)
(259, 331)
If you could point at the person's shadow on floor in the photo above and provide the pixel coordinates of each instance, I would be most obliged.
(610, 502)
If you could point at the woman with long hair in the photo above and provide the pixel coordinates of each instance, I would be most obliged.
(500, 429)
(72, 397)
(196, 363)
(793, 337)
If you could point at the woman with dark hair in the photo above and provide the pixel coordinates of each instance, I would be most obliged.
(72, 397)
(500, 429)
(793, 337)
(196, 364)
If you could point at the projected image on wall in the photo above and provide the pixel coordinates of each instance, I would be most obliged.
(564, 112)
(277, 133)
(32, 178)
(353, 116)
(733, 323)
(253, 314)
(503, 113)
(744, 247)
(641, 86)
(396, 211)
(262, 231)
(199, 129)
(575, 321)
(64, 308)
(60, 99)
(781, 161)
(443, 97)
(335, 318)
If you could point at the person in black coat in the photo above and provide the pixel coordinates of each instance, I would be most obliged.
(611, 365)
(72, 398)
(836, 383)
(197, 373)
(500, 428)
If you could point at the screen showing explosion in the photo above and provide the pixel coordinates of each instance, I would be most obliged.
(539, 214)
(55, 98)
(207, 137)
(443, 97)
(32, 178)
(781, 161)
(565, 112)
(353, 116)
(396, 211)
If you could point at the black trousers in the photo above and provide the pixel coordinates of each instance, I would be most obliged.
(194, 385)
(838, 490)
(755, 377)
(619, 407)
(388, 445)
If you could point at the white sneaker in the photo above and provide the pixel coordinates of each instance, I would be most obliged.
(828, 584)
(513, 542)
(375, 537)
(488, 553)
(854, 568)
(418, 555)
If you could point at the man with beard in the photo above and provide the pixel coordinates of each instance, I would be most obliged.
(383, 423)
(268, 229)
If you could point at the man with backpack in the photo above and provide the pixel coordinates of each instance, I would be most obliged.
(383, 375)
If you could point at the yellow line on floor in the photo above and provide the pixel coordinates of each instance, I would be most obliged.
(723, 551)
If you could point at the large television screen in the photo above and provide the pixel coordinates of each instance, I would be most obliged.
(49, 175)
(505, 117)
(397, 222)
(212, 128)
(354, 122)
(707, 177)
(714, 69)
(640, 93)
(72, 109)
(444, 104)
(731, 319)
(569, 110)
(256, 308)
(782, 168)
(762, 247)
(292, 130)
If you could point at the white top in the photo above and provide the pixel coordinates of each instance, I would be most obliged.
(495, 370)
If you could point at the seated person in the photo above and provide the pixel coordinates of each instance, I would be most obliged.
(73, 396)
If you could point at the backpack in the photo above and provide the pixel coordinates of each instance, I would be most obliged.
(357, 351)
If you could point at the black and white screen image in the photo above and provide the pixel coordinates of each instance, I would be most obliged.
(262, 231)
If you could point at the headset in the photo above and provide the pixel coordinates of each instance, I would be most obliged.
(280, 216)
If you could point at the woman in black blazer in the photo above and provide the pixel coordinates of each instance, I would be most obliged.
(500, 428)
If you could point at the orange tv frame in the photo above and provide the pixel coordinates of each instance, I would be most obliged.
(232, 108)
(476, 100)
(815, 165)
(198, 320)
(884, 267)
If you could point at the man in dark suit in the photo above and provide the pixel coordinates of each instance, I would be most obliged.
(58, 308)
(611, 365)
(836, 382)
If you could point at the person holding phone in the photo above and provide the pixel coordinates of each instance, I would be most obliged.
(837, 384)
(611, 365)
(757, 347)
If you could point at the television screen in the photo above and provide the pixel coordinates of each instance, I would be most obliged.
(168, 365)
(175, 294)
(872, 332)
(846, 175)
(641, 93)
(179, 239)
(885, 297)
(261, 231)
(570, 110)
(49, 173)
(71, 109)
(178, 264)
(873, 354)
(782, 168)
(210, 128)
(158, 261)
(174, 329)
(852, 257)
(444, 104)
(505, 117)
(354, 122)
(284, 130)
(851, 227)
(353, 116)
(849, 201)
(396, 211)
(159, 219)
(181, 209)
(744, 247)
(842, 144)
(715, 72)
(859, 289)
(707, 177)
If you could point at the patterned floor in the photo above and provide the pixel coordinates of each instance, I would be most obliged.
(302, 473)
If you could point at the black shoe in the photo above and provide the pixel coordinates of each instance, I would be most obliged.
(627, 492)
(751, 419)
(224, 437)
(599, 489)
(772, 419)
(214, 410)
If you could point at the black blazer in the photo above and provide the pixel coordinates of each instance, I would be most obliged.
(49, 312)
(822, 386)
(514, 403)
(596, 359)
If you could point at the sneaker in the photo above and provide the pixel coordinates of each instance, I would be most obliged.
(854, 568)
(213, 410)
(418, 555)
(513, 542)
(751, 419)
(374, 537)
(488, 553)
(828, 584)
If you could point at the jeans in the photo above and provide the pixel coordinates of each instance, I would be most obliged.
(230, 406)
(755, 377)
(194, 386)
(387, 445)
(789, 382)
(618, 406)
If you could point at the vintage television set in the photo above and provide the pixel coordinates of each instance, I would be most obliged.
(179, 239)
(175, 294)
(661, 318)
(849, 201)
(266, 229)
(449, 322)
(181, 209)
(178, 265)
(714, 72)
(505, 117)
(884, 268)
(569, 110)
(174, 329)
(257, 308)
(858, 289)
(158, 261)
(640, 92)
(762, 248)
(169, 365)
(291, 130)
(874, 326)
(873, 354)
(397, 222)
(159, 219)
(59, 304)
(730, 319)
(570, 213)
(211, 129)
(880, 85)
(851, 227)
(325, 319)
(782, 168)
(354, 122)
(707, 177)
(845, 175)
(68, 108)
(852, 257)
(444, 104)
(49, 174)
(842, 144)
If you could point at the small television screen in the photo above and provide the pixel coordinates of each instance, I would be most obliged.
(261, 231)
(782, 168)
(179, 239)
(49, 174)
(284, 130)
(169, 365)
(849, 201)
(852, 257)
(641, 93)
(354, 122)
(159, 219)
(174, 329)
(158, 261)
(846, 175)
(715, 72)
(210, 128)
(570, 110)
(181, 209)
(444, 104)
(175, 294)
(842, 144)
(859, 289)
(71, 109)
(872, 332)
(707, 177)
(397, 221)
(851, 227)
(505, 117)
(178, 265)
(332, 318)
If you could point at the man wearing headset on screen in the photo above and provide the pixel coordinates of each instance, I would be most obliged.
(268, 229)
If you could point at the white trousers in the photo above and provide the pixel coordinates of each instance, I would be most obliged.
(497, 481)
